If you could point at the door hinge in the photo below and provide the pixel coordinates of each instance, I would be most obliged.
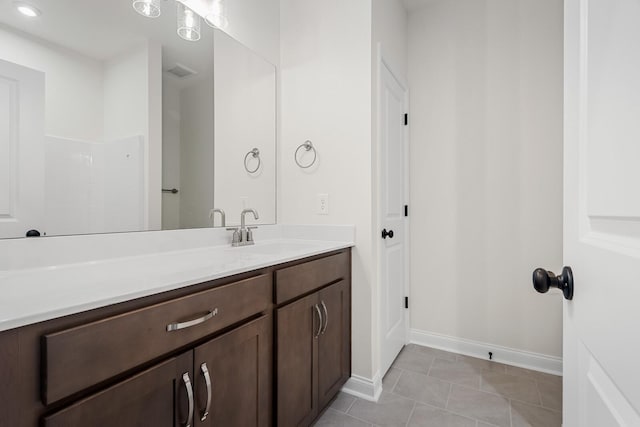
(406, 302)
(406, 119)
(406, 210)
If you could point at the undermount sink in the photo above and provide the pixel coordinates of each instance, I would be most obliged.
(275, 248)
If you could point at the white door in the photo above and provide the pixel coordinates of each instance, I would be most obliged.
(21, 150)
(392, 234)
(602, 213)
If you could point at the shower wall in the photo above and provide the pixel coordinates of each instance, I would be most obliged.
(93, 187)
(90, 102)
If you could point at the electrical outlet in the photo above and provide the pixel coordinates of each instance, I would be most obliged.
(323, 204)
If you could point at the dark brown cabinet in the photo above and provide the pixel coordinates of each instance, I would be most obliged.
(334, 342)
(296, 355)
(233, 377)
(142, 335)
(313, 353)
(155, 397)
(212, 354)
(226, 381)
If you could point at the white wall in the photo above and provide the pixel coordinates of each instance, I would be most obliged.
(171, 134)
(126, 111)
(254, 23)
(153, 157)
(245, 118)
(73, 84)
(326, 97)
(389, 40)
(486, 170)
(196, 154)
(390, 26)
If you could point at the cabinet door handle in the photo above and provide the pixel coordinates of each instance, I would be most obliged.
(187, 385)
(207, 380)
(326, 317)
(177, 326)
(319, 321)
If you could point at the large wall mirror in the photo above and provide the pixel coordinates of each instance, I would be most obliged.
(112, 121)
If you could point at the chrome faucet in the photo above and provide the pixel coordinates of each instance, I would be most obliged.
(242, 217)
(243, 236)
(212, 212)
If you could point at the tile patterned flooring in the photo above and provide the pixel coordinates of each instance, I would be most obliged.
(433, 388)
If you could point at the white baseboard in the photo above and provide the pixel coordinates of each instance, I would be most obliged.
(364, 388)
(508, 356)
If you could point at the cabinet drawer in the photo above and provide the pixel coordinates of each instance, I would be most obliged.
(300, 279)
(77, 358)
(156, 397)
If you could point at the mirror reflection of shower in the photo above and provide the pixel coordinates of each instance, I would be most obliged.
(112, 119)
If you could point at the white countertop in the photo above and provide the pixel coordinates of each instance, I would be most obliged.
(32, 295)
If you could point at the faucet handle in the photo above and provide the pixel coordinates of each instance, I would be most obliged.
(250, 235)
(236, 235)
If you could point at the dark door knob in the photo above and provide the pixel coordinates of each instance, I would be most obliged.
(33, 233)
(386, 234)
(543, 280)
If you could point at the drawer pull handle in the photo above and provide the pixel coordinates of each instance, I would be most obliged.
(326, 317)
(319, 321)
(187, 385)
(207, 380)
(184, 325)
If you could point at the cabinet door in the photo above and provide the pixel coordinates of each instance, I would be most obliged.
(156, 397)
(334, 346)
(297, 376)
(233, 374)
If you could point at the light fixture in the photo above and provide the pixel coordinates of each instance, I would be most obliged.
(217, 16)
(27, 10)
(188, 23)
(148, 8)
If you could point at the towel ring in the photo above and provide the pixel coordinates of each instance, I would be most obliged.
(308, 146)
(255, 153)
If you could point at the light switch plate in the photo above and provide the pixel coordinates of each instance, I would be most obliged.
(323, 204)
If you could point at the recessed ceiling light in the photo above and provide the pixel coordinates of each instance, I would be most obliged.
(27, 9)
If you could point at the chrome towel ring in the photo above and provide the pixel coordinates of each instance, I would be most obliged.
(308, 146)
(255, 153)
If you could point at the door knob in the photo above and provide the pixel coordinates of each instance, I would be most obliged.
(386, 233)
(543, 280)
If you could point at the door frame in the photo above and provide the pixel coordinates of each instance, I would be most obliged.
(377, 223)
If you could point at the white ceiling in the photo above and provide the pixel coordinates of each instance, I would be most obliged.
(103, 29)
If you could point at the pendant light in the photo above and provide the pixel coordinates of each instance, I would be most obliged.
(148, 8)
(188, 23)
(217, 16)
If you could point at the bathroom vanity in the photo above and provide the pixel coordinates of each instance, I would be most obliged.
(269, 345)
(140, 128)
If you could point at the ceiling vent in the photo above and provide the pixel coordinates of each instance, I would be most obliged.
(181, 71)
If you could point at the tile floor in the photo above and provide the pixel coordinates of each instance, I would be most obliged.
(432, 388)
